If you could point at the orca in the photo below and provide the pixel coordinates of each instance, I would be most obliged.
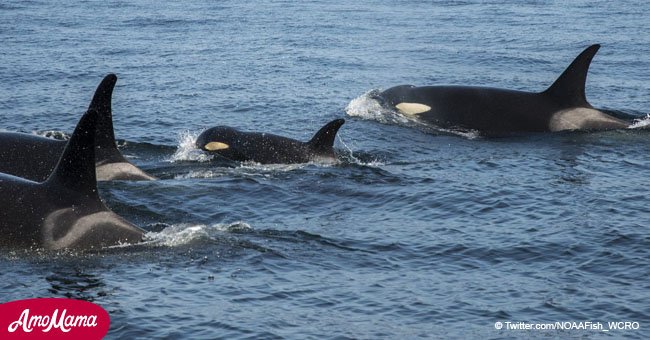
(266, 148)
(493, 111)
(65, 210)
(34, 157)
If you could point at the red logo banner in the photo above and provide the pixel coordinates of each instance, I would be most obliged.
(53, 318)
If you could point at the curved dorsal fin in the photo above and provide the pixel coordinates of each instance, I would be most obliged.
(106, 148)
(323, 140)
(569, 88)
(76, 167)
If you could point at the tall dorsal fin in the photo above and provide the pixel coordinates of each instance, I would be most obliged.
(569, 88)
(76, 167)
(323, 140)
(107, 151)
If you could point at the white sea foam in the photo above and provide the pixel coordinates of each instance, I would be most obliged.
(641, 123)
(273, 167)
(252, 170)
(180, 234)
(368, 108)
(199, 174)
(469, 134)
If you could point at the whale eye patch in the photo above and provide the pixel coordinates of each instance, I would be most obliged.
(412, 108)
(215, 146)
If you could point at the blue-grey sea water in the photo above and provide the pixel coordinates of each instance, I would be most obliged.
(415, 233)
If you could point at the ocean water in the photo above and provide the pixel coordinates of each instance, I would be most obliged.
(415, 233)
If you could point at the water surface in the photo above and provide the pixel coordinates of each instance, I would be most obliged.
(416, 232)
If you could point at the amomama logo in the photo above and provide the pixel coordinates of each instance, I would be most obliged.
(53, 318)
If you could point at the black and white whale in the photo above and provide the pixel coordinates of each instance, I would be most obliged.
(34, 157)
(563, 106)
(65, 210)
(267, 148)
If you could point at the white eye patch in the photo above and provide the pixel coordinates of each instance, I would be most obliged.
(410, 109)
(215, 146)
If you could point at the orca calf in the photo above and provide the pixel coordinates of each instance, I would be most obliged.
(34, 157)
(65, 210)
(563, 106)
(267, 148)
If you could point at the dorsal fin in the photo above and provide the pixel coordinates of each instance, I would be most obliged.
(106, 148)
(323, 140)
(569, 88)
(76, 167)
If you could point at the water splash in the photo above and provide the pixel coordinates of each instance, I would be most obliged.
(366, 107)
(641, 123)
(348, 157)
(187, 150)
